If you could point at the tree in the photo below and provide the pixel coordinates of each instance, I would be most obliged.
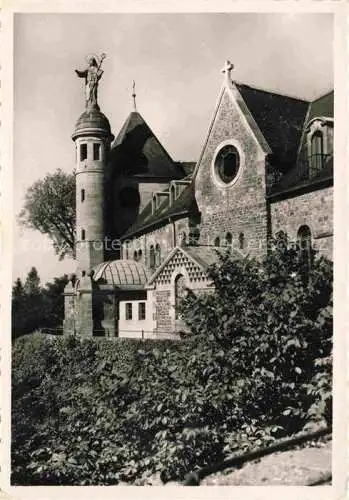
(32, 283)
(35, 307)
(18, 289)
(49, 207)
(53, 301)
(27, 310)
(273, 320)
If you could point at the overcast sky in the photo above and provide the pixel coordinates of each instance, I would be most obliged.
(176, 61)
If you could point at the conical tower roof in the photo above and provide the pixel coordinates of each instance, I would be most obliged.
(136, 151)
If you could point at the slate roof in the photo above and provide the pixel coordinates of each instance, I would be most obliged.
(205, 256)
(323, 106)
(296, 178)
(187, 166)
(280, 119)
(136, 151)
(184, 204)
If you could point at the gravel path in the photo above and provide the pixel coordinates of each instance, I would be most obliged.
(296, 467)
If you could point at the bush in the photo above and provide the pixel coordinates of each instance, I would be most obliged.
(256, 366)
(273, 321)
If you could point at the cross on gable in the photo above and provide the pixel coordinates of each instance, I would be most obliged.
(228, 67)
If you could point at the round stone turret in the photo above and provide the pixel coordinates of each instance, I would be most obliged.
(92, 137)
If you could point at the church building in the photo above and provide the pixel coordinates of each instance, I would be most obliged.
(148, 226)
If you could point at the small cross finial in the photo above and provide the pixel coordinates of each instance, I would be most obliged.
(228, 67)
(134, 95)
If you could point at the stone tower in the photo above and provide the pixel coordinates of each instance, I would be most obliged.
(92, 137)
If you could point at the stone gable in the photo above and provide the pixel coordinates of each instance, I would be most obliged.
(241, 206)
(177, 263)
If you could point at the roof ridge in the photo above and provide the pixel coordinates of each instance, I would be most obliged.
(119, 138)
(268, 91)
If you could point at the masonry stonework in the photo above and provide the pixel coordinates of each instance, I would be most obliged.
(241, 207)
(162, 312)
(167, 236)
(165, 218)
(314, 209)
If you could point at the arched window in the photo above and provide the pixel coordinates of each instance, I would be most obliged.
(83, 234)
(317, 143)
(217, 241)
(241, 241)
(194, 236)
(179, 286)
(172, 194)
(228, 239)
(135, 255)
(82, 195)
(317, 153)
(157, 255)
(151, 256)
(305, 252)
(304, 238)
(140, 253)
(183, 239)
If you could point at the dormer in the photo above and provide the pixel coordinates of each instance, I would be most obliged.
(319, 137)
(158, 198)
(176, 188)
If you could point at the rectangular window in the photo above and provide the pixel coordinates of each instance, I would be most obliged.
(96, 151)
(141, 310)
(83, 152)
(128, 310)
(83, 195)
(83, 234)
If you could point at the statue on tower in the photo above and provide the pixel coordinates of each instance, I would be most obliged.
(92, 76)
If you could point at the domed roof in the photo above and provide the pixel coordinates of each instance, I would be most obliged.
(92, 121)
(122, 273)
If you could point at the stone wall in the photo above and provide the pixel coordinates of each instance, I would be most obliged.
(167, 236)
(89, 180)
(162, 312)
(69, 310)
(238, 207)
(314, 209)
(164, 294)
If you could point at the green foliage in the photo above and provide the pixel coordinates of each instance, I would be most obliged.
(256, 367)
(32, 283)
(35, 307)
(49, 207)
(273, 321)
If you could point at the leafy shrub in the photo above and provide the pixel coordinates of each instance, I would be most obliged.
(256, 366)
(274, 321)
